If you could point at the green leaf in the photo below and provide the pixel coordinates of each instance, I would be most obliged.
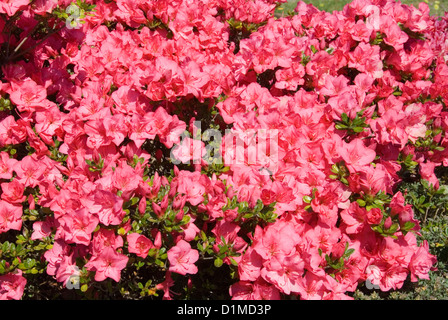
(160, 263)
(408, 225)
(233, 262)
(34, 271)
(259, 206)
(335, 168)
(393, 228)
(307, 199)
(203, 236)
(5, 246)
(243, 206)
(349, 252)
(340, 126)
(163, 256)
(339, 265)
(134, 201)
(152, 252)
(186, 219)
(218, 262)
(378, 229)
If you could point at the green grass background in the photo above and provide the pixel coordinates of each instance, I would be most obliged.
(437, 7)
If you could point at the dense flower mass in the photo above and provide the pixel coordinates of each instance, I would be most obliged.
(93, 114)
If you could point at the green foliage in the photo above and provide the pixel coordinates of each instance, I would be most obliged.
(340, 172)
(427, 201)
(5, 104)
(241, 30)
(19, 252)
(79, 8)
(338, 263)
(95, 166)
(430, 207)
(352, 126)
(431, 140)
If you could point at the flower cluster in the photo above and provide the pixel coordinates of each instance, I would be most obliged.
(357, 99)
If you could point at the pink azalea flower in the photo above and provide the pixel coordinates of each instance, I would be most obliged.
(258, 290)
(119, 91)
(421, 263)
(98, 135)
(190, 184)
(427, 173)
(355, 218)
(28, 95)
(139, 130)
(105, 238)
(10, 216)
(43, 229)
(67, 271)
(13, 192)
(249, 267)
(285, 273)
(11, 132)
(45, 6)
(182, 258)
(139, 244)
(126, 179)
(107, 264)
(356, 154)
(165, 286)
(311, 287)
(190, 230)
(279, 239)
(77, 226)
(12, 286)
(55, 255)
(108, 207)
(6, 165)
(189, 149)
(393, 278)
(29, 171)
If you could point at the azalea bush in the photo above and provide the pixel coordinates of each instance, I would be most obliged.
(206, 149)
